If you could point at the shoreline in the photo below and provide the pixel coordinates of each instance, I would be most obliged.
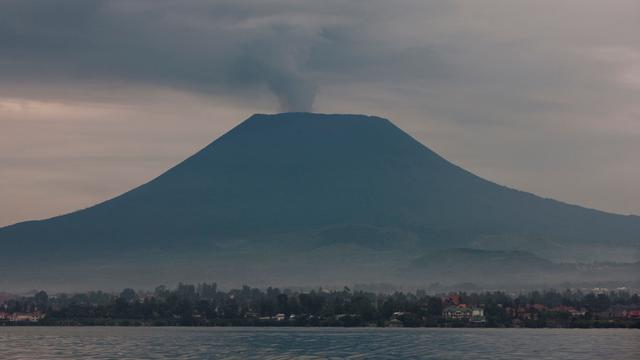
(138, 324)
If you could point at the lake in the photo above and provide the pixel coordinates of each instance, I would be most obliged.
(314, 343)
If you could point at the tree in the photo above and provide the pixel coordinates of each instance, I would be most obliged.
(128, 295)
(41, 300)
(434, 306)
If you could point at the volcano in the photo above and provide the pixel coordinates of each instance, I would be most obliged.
(307, 192)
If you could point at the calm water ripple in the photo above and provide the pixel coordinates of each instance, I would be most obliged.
(304, 343)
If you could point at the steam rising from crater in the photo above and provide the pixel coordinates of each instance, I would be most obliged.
(219, 49)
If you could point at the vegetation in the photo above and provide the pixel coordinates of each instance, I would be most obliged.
(206, 305)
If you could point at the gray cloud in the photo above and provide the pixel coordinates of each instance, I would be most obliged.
(212, 47)
(516, 91)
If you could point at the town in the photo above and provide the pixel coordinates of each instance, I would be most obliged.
(205, 305)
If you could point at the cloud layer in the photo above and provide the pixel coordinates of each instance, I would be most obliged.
(215, 47)
(540, 95)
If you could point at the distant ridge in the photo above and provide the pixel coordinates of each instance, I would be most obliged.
(303, 182)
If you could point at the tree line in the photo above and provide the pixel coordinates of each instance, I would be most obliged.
(206, 305)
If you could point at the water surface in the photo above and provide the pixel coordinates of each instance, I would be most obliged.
(315, 343)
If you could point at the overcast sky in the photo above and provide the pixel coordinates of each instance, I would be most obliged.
(98, 96)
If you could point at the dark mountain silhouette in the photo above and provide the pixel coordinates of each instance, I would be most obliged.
(301, 183)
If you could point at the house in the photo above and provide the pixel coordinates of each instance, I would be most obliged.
(251, 315)
(539, 307)
(477, 315)
(617, 312)
(464, 312)
(578, 313)
(456, 313)
(524, 313)
(453, 300)
(26, 317)
(570, 310)
(398, 314)
(633, 314)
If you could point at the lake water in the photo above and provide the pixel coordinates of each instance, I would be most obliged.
(316, 343)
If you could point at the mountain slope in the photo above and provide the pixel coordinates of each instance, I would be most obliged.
(503, 269)
(312, 180)
(294, 172)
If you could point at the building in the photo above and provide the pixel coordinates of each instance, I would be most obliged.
(26, 317)
(251, 315)
(633, 314)
(398, 314)
(614, 312)
(477, 315)
(464, 313)
(453, 300)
